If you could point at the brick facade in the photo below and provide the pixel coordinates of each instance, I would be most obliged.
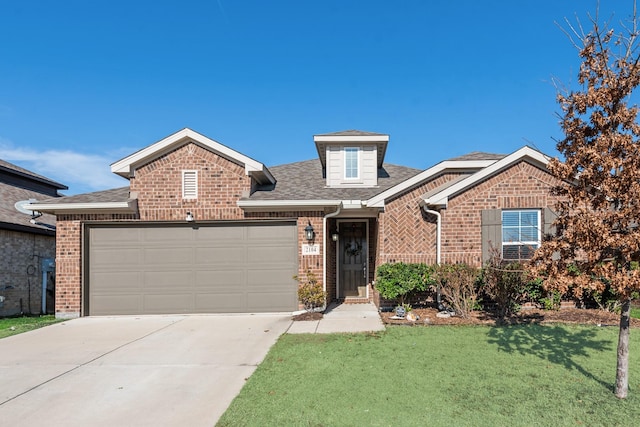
(402, 232)
(158, 185)
(518, 187)
(21, 256)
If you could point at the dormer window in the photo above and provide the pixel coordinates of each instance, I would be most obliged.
(351, 163)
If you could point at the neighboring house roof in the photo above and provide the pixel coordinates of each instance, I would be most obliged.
(478, 155)
(18, 171)
(525, 153)
(17, 186)
(126, 167)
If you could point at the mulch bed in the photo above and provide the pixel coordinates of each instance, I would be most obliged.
(575, 316)
(308, 316)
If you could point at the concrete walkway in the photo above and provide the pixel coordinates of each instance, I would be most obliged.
(342, 318)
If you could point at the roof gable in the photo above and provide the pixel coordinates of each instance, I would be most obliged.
(526, 153)
(126, 167)
(452, 165)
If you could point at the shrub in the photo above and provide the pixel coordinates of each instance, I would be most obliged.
(402, 281)
(310, 293)
(506, 284)
(459, 286)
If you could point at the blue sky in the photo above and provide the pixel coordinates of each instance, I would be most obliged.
(86, 83)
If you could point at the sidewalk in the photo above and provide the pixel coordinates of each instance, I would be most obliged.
(341, 318)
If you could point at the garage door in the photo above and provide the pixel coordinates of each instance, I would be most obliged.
(208, 268)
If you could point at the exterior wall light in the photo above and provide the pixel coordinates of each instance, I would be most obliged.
(335, 236)
(308, 232)
(189, 217)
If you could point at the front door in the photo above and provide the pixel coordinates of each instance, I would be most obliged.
(352, 259)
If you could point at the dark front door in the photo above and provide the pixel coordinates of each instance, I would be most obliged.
(352, 259)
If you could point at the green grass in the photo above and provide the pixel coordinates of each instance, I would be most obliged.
(17, 325)
(635, 312)
(441, 376)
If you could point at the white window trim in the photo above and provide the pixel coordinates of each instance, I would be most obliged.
(188, 194)
(535, 244)
(358, 151)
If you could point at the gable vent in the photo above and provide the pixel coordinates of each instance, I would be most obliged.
(189, 184)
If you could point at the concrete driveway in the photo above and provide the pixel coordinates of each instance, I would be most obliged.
(132, 371)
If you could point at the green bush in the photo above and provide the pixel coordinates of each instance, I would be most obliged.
(310, 293)
(402, 281)
(506, 285)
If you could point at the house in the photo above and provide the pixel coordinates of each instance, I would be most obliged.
(27, 242)
(202, 228)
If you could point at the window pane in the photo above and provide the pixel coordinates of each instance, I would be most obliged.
(529, 234)
(510, 252)
(351, 163)
(510, 235)
(510, 219)
(529, 218)
(520, 234)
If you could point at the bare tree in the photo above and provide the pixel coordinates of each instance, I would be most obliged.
(597, 239)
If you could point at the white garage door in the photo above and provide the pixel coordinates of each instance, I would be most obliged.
(207, 268)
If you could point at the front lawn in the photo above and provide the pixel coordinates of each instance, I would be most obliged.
(441, 376)
(17, 325)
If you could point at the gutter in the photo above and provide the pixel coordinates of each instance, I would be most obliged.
(54, 208)
(438, 231)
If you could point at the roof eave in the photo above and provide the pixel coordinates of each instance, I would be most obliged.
(523, 154)
(286, 205)
(130, 206)
(379, 199)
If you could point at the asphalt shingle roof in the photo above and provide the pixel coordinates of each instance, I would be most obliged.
(305, 181)
(479, 155)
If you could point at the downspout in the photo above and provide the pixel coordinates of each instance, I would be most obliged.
(438, 230)
(438, 246)
(324, 246)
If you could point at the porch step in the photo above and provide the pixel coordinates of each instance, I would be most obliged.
(355, 300)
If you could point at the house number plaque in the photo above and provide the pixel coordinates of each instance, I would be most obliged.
(311, 249)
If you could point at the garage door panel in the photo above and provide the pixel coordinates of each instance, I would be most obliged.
(272, 278)
(221, 256)
(269, 302)
(116, 237)
(268, 255)
(117, 256)
(169, 234)
(159, 303)
(167, 255)
(223, 232)
(120, 281)
(269, 234)
(116, 304)
(221, 279)
(213, 268)
(165, 280)
(229, 302)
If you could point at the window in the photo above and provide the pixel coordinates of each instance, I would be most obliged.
(351, 163)
(189, 184)
(520, 233)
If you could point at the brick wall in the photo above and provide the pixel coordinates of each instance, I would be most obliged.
(159, 186)
(520, 186)
(21, 273)
(220, 184)
(408, 234)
